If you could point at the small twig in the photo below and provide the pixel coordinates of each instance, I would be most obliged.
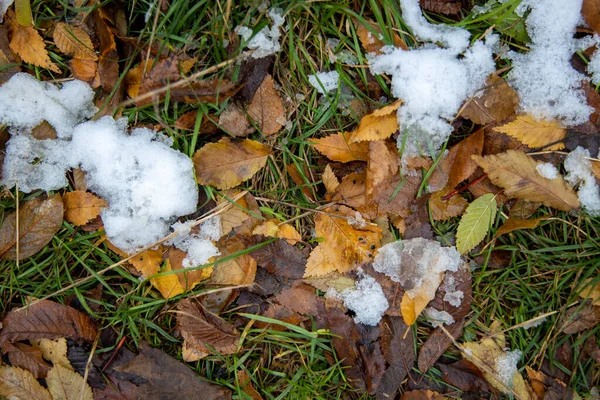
(463, 188)
(87, 365)
(114, 354)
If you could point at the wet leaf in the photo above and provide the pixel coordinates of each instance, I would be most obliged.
(398, 350)
(535, 133)
(495, 103)
(81, 207)
(46, 319)
(513, 224)
(379, 125)
(73, 41)
(475, 223)
(27, 357)
(17, 383)
(337, 147)
(448, 7)
(466, 377)
(579, 318)
(44, 131)
(187, 121)
(28, 44)
(226, 164)
(516, 172)
(65, 384)
(39, 220)
(266, 108)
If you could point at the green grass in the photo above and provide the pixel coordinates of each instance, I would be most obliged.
(547, 267)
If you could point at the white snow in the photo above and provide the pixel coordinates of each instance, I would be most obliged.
(593, 67)
(579, 169)
(199, 246)
(145, 182)
(548, 86)
(506, 366)
(4, 4)
(366, 300)
(265, 42)
(433, 81)
(324, 81)
(547, 170)
(412, 262)
(453, 297)
(437, 318)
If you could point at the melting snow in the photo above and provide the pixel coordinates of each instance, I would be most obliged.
(265, 42)
(547, 170)
(579, 169)
(324, 81)
(199, 246)
(437, 318)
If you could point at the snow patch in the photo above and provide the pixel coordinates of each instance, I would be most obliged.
(437, 318)
(266, 41)
(579, 169)
(506, 366)
(547, 170)
(324, 81)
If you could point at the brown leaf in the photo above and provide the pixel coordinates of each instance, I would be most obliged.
(236, 215)
(39, 220)
(281, 259)
(28, 44)
(395, 198)
(81, 207)
(458, 164)
(46, 319)
(337, 147)
(523, 209)
(187, 121)
(246, 385)
(352, 191)
(73, 41)
(398, 350)
(27, 357)
(442, 210)
(548, 388)
(6, 57)
(448, 7)
(266, 108)
(330, 181)
(379, 125)
(369, 37)
(516, 172)
(108, 64)
(535, 133)
(213, 91)
(579, 318)
(423, 394)
(466, 377)
(590, 10)
(383, 166)
(252, 73)
(300, 298)
(166, 378)
(85, 70)
(17, 383)
(496, 103)
(240, 270)
(513, 224)
(234, 120)
(44, 131)
(226, 164)
(65, 384)
(204, 331)
(301, 179)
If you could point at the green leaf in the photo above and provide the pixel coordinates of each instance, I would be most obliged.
(475, 223)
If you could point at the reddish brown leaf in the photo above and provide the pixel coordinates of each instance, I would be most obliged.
(246, 385)
(39, 220)
(266, 108)
(368, 35)
(46, 319)
(458, 164)
(422, 394)
(281, 259)
(398, 350)
(591, 14)
(300, 298)
(497, 102)
(187, 121)
(6, 57)
(84, 70)
(383, 165)
(108, 67)
(448, 7)
(27, 357)
(81, 207)
(579, 318)
(337, 147)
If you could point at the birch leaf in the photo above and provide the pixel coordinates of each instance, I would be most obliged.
(338, 148)
(475, 223)
(65, 384)
(17, 383)
(534, 133)
(378, 125)
(73, 41)
(81, 207)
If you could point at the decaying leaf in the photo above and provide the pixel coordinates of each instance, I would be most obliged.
(516, 172)
(39, 220)
(546, 387)
(53, 350)
(234, 120)
(300, 298)
(246, 385)
(513, 224)
(423, 394)
(226, 164)
(17, 383)
(81, 207)
(383, 166)
(496, 103)
(398, 350)
(66, 384)
(240, 270)
(27, 357)
(442, 210)
(344, 247)
(535, 133)
(337, 147)
(476, 222)
(237, 214)
(73, 41)
(378, 125)
(266, 108)
(369, 36)
(590, 10)
(28, 44)
(281, 259)
(448, 7)
(85, 70)
(579, 318)
(187, 121)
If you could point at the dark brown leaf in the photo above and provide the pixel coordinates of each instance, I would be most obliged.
(202, 330)
(497, 102)
(252, 73)
(591, 14)
(212, 91)
(281, 259)
(39, 220)
(78, 355)
(300, 298)
(108, 63)
(422, 394)
(466, 377)
(27, 357)
(187, 122)
(6, 57)
(46, 319)
(548, 388)
(448, 7)
(398, 349)
(579, 318)
(167, 378)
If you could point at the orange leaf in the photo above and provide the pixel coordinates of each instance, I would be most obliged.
(81, 207)
(85, 70)
(28, 44)
(378, 125)
(226, 164)
(513, 224)
(411, 307)
(73, 41)
(534, 133)
(442, 210)
(266, 108)
(590, 10)
(273, 228)
(371, 41)
(329, 179)
(383, 166)
(336, 147)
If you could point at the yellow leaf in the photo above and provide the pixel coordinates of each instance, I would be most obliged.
(28, 44)
(516, 172)
(226, 164)
(168, 285)
(17, 383)
(240, 270)
(266, 108)
(412, 307)
(133, 77)
(73, 41)
(329, 179)
(81, 207)
(65, 384)
(148, 263)
(337, 148)
(442, 210)
(53, 350)
(591, 291)
(513, 224)
(378, 125)
(534, 133)
(344, 247)
(234, 216)
(272, 228)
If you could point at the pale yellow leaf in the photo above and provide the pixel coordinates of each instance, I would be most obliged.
(330, 181)
(273, 228)
(336, 147)
(535, 133)
(379, 125)
(73, 41)
(53, 350)
(65, 384)
(591, 291)
(17, 383)
(81, 207)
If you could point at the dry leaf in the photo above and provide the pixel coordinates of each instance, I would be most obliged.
(301, 179)
(369, 37)
(44, 131)
(344, 247)
(590, 10)
(352, 191)
(329, 179)
(579, 318)
(27, 357)
(187, 279)
(81, 207)
(516, 172)
(336, 147)
(423, 394)
(17, 383)
(226, 164)
(281, 259)
(448, 7)
(379, 125)
(591, 291)
(85, 70)
(534, 133)
(383, 166)
(513, 224)
(28, 44)
(240, 270)
(266, 108)
(234, 216)
(234, 120)
(73, 41)
(496, 103)
(273, 228)
(65, 384)
(442, 210)
(53, 350)
(148, 263)
(39, 220)
(542, 384)
(133, 77)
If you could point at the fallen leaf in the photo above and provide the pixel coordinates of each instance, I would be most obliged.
(73, 41)
(378, 125)
(442, 210)
(273, 228)
(17, 383)
(579, 318)
(333, 280)
(226, 164)
(344, 247)
(591, 291)
(370, 37)
(513, 224)
(337, 147)
(234, 120)
(535, 133)
(523, 209)
(81, 207)
(46, 319)
(149, 262)
(65, 384)
(204, 331)
(252, 72)
(548, 388)
(590, 10)
(85, 70)
(466, 377)
(330, 181)
(495, 103)
(423, 394)
(281, 259)
(246, 385)
(516, 172)
(475, 222)
(167, 284)
(28, 44)
(53, 350)
(302, 179)
(236, 215)
(208, 123)
(448, 7)
(214, 91)
(266, 108)
(108, 62)
(240, 270)
(300, 298)
(352, 191)
(383, 166)
(44, 131)
(398, 349)
(133, 77)
(38, 220)
(27, 357)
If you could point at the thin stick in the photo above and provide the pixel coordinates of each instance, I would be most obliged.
(87, 365)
